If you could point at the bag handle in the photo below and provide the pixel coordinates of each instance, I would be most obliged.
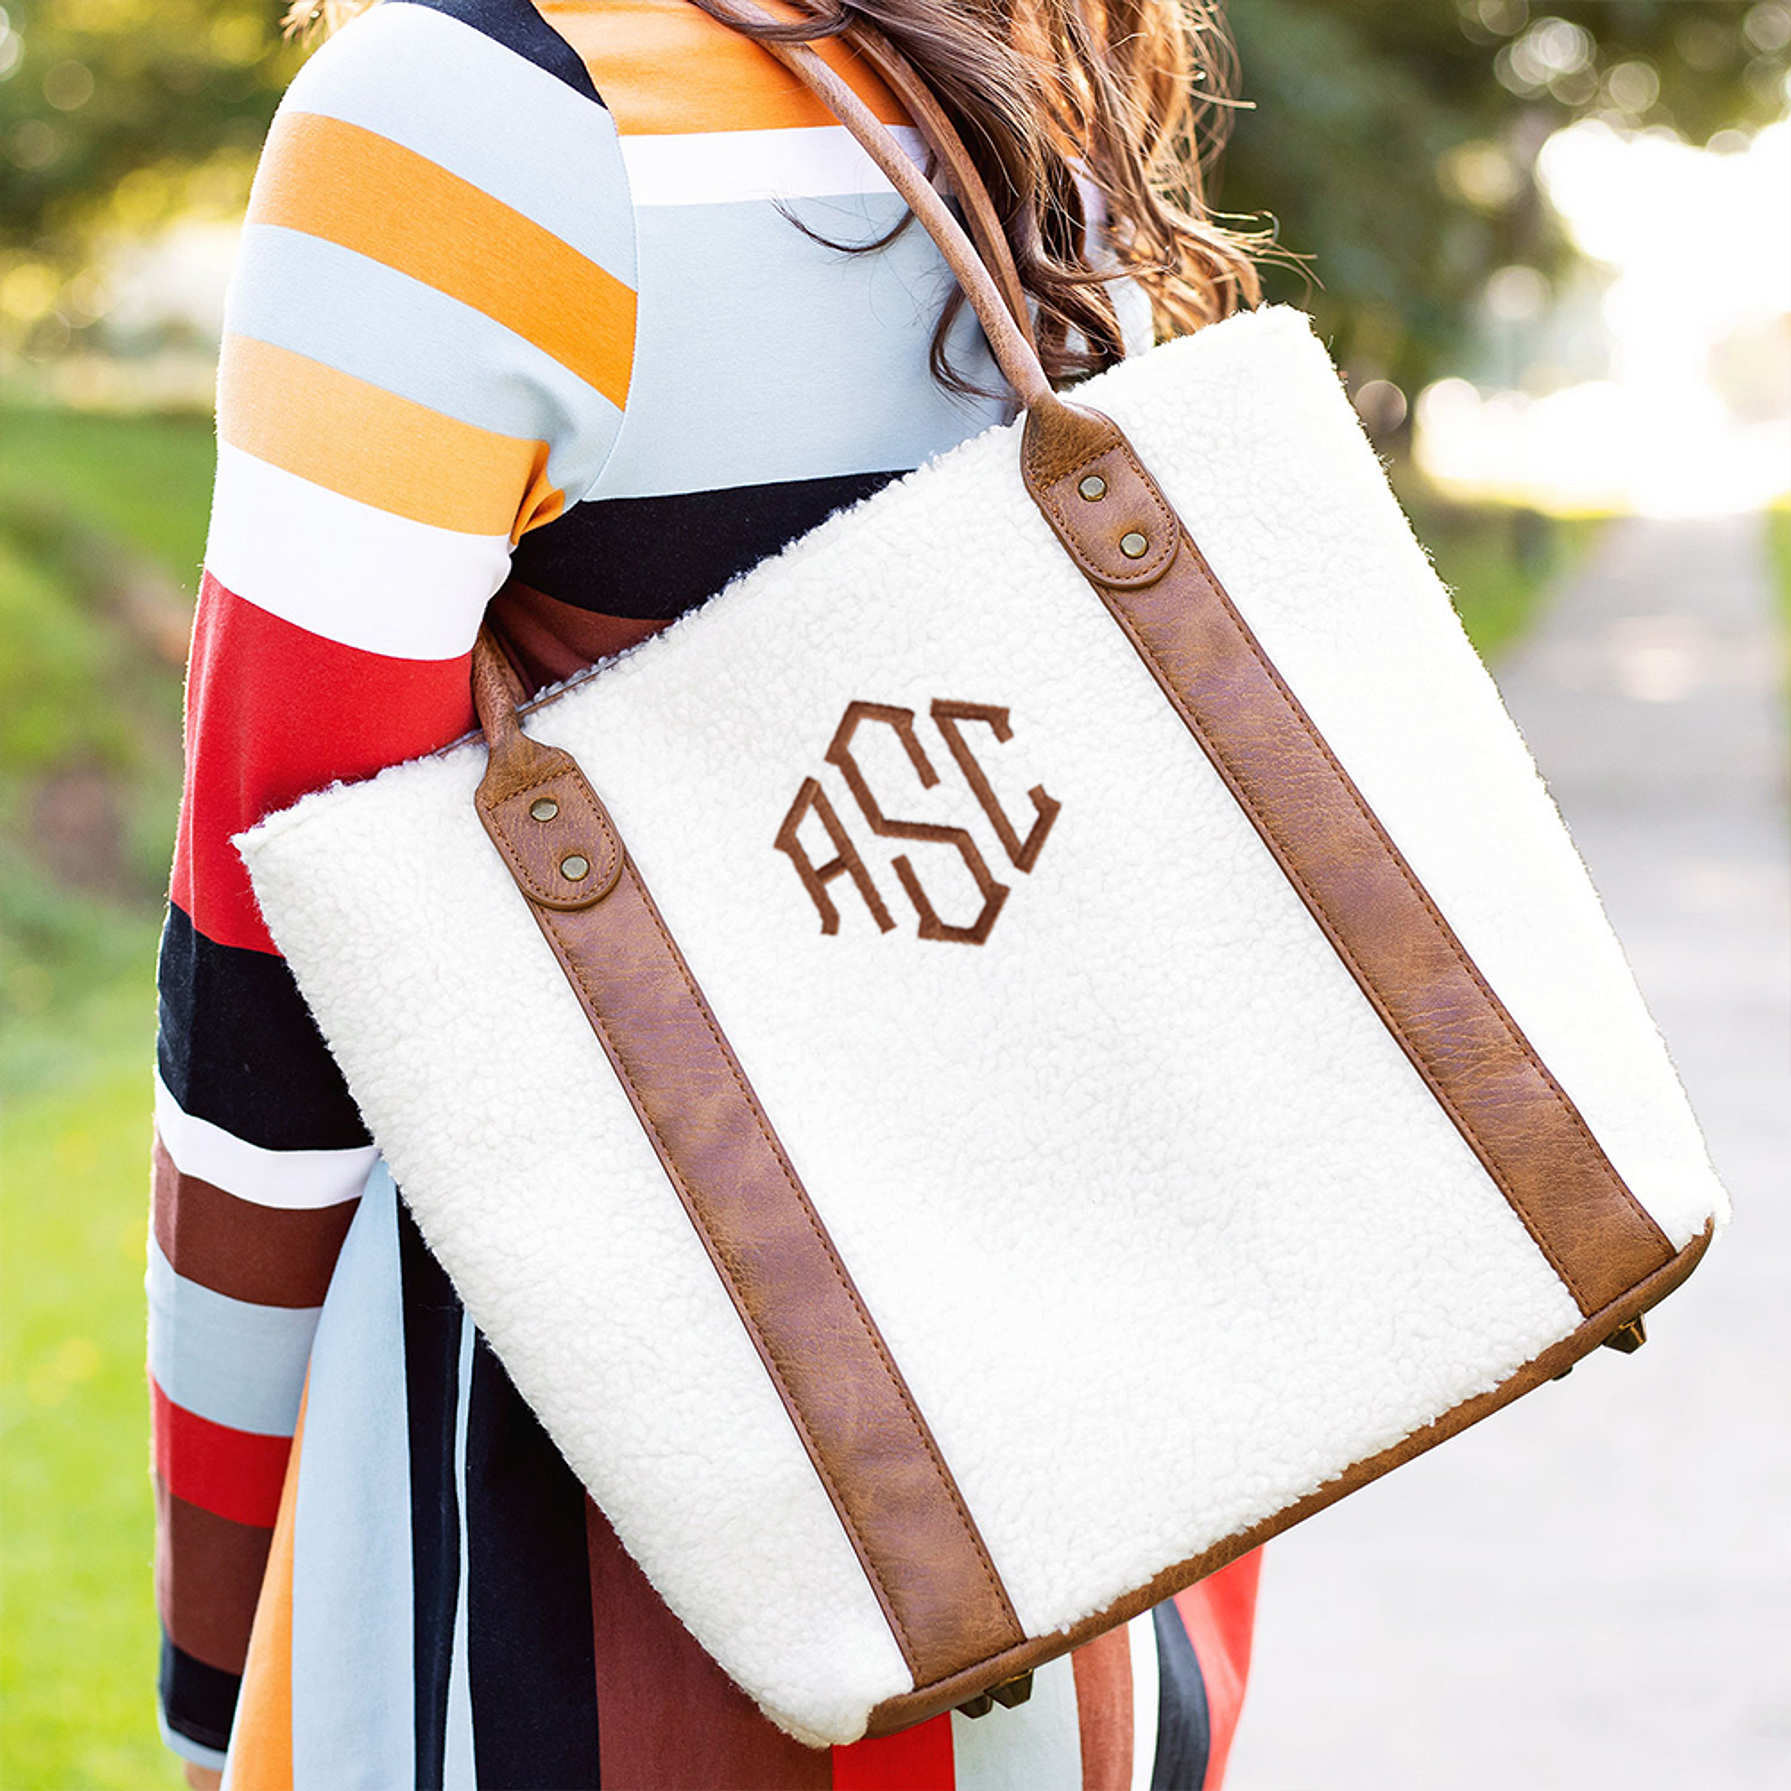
(942, 138)
(1009, 340)
(1056, 430)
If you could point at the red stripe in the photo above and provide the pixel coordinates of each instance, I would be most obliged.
(917, 1759)
(1219, 1614)
(275, 711)
(231, 1473)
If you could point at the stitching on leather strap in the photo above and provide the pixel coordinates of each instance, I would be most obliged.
(873, 1336)
(1547, 1225)
(604, 872)
(994, 1625)
(1446, 932)
(730, 1274)
(1340, 944)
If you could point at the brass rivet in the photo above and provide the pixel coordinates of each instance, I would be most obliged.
(544, 808)
(574, 867)
(1133, 545)
(1094, 488)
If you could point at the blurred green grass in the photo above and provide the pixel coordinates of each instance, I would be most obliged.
(94, 511)
(91, 507)
(144, 481)
(1778, 557)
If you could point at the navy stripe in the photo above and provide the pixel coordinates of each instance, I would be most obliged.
(198, 1701)
(518, 26)
(531, 1659)
(237, 1046)
(660, 556)
(1184, 1725)
(432, 1376)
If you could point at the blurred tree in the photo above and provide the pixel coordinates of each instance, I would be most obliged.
(1395, 143)
(116, 116)
(1393, 140)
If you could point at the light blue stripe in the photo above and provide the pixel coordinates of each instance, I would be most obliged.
(1036, 1746)
(799, 362)
(482, 112)
(353, 1722)
(227, 1360)
(459, 1765)
(316, 298)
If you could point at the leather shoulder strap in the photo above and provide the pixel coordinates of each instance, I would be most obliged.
(942, 137)
(1009, 341)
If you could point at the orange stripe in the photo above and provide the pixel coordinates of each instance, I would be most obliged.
(261, 1736)
(368, 444)
(365, 192)
(723, 81)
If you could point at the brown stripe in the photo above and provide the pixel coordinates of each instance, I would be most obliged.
(1354, 880)
(270, 1256)
(551, 641)
(668, 1718)
(866, 1437)
(208, 1572)
(1103, 1674)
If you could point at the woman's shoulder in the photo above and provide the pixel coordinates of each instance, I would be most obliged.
(474, 86)
(442, 176)
(489, 54)
(651, 66)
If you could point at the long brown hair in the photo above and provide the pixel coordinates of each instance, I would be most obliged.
(1135, 96)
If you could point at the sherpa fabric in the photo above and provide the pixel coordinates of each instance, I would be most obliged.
(1159, 1222)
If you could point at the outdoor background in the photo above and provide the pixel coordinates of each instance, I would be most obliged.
(1552, 250)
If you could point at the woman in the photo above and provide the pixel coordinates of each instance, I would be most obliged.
(572, 309)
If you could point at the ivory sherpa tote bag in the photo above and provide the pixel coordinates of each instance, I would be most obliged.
(1047, 1033)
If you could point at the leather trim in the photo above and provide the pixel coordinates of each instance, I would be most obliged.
(548, 823)
(1128, 507)
(896, 1499)
(1357, 885)
(929, 1700)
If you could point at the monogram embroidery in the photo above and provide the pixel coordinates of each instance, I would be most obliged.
(811, 799)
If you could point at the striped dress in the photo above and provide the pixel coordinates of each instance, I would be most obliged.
(521, 319)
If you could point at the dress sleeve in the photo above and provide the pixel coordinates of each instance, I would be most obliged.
(427, 349)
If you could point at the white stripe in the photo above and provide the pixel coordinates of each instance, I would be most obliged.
(291, 1179)
(718, 167)
(475, 108)
(196, 1751)
(1141, 1638)
(459, 1770)
(344, 570)
(1036, 1746)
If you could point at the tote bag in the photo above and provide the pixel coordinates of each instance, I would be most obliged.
(1045, 1034)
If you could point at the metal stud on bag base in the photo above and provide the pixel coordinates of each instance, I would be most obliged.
(1008, 1694)
(1625, 1340)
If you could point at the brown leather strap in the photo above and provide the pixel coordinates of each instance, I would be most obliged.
(941, 136)
(1404, 955)
(1010, 344)
(876, 1456)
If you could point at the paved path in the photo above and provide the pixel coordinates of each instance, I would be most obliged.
(1593, 1589)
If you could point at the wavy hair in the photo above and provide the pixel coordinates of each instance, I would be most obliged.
(1129, 100)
